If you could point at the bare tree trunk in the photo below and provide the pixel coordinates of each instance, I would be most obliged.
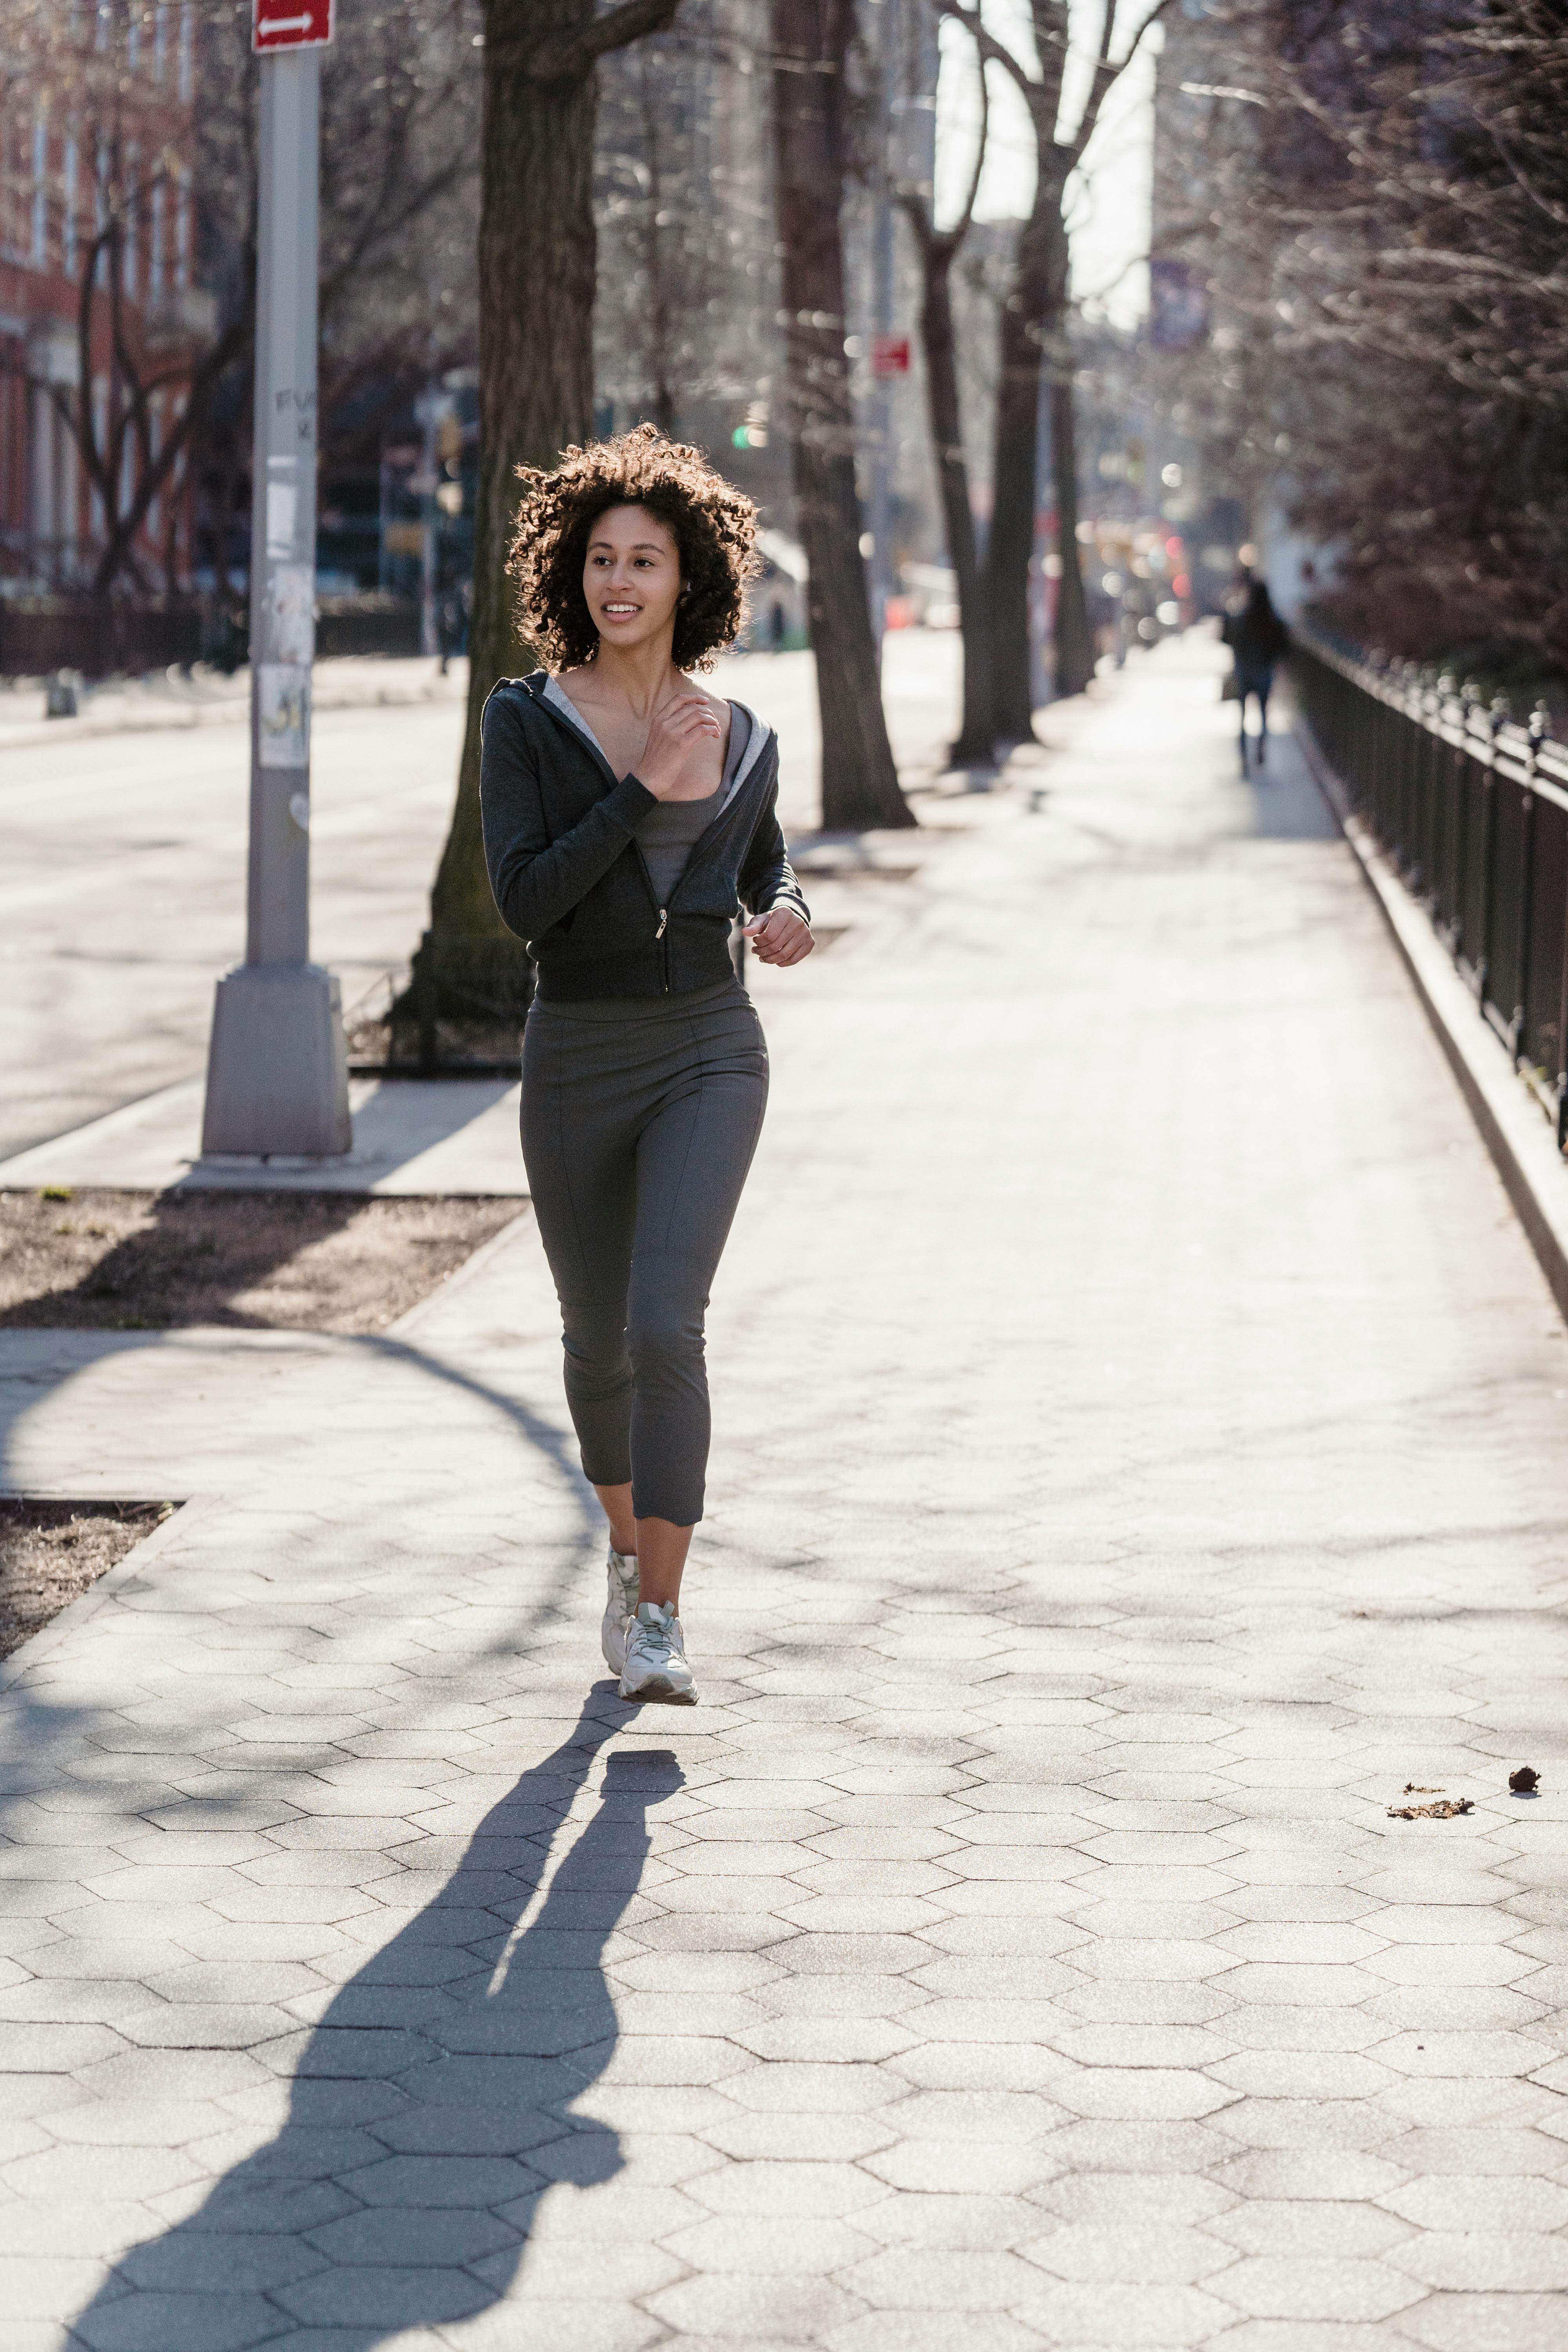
(859, 782)
(1039, 323)
(1034, 319)
(536, 256)
(536, 375)
(976, 738)
(1011, 544)
(1074, 638)
(660, 306)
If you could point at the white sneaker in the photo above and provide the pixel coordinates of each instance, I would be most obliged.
(655, 1664)
(620, 1602)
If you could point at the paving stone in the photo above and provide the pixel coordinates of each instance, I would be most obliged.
(928, 2331)
(585, 2327)
(115, 2173)
(1485, 2323)
(928, 2166)
(761, 2247)
(35, 2335)
(1308, 2230)
(767, 2190)
(1474, 2261)
(132, 2322)
(1308, 2335)
(810, 2138)
(991, 2065)
(724, 2303)
(40, 2286)
(1116, 2315)
(1282, 2286)
(1490, 2149)
(232, 2262)
(1140, 2253)
(386, 2296)
(1461, 2202)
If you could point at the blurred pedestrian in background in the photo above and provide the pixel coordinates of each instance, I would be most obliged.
(452, 615)
(1258, 640)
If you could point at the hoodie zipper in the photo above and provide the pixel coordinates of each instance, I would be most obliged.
(663, 913)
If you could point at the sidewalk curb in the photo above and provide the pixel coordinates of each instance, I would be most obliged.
(475, 1268)
(1512, 1126)
(178, 717)
(36, 1648)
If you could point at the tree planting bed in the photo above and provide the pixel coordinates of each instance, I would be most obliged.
(50, 1552)
(105, 1261)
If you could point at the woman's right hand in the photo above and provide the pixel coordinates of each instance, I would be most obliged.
(685, 724)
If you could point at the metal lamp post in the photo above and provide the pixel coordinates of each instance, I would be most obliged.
(278, 1066)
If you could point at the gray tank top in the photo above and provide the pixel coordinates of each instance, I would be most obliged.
(669, 832)
(668, 835)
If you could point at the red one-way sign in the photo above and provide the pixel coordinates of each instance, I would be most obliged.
(290, 23)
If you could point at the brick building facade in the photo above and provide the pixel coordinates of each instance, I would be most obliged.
(96, 116)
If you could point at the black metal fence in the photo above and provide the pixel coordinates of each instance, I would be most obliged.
(40, 634)
(1472, 809)
(464, 1008)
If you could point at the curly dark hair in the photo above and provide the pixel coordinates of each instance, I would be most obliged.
(714, 527)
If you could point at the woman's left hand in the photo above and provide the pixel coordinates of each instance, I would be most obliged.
(780, 937)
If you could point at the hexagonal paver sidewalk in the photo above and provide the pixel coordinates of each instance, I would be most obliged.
(1140, 1455)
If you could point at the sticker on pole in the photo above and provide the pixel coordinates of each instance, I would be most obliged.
(291, 24)
(282, 715)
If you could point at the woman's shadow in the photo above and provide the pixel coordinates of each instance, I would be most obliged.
(431, 2107)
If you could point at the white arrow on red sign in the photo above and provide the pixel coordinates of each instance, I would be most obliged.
(288, 25)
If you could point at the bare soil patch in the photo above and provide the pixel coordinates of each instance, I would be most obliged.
(103, 1261)
(51, 1552)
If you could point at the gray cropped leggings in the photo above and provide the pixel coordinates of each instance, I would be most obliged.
(639, 1126)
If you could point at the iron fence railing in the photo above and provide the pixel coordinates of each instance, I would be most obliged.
(40, 634)
(1472, 810)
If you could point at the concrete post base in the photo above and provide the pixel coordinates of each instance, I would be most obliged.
(278, 1077)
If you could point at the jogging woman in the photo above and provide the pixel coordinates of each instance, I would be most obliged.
(628, 818)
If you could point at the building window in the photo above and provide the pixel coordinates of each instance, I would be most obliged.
(187, 53)
(160, 43)
(39, 240)
(67, 210)
(100, 211)
(98, 522)
(130, 208)
(155, 246)
(155, 444)
(183, 238)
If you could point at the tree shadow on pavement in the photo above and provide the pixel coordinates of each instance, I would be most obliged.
(431, 2107)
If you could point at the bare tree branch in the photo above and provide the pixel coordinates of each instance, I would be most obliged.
(1108, 71)
(569, 59)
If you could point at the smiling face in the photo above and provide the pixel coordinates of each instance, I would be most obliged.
(631, 577)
